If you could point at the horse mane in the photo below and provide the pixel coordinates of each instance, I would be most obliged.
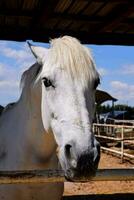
(77, 59)
(29, 76)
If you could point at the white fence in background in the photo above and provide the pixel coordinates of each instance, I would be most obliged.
(115, 133)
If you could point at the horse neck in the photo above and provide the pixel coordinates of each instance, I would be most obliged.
(43, 144)
(31, 112)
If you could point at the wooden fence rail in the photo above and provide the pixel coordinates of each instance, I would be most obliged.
(97, 128)
(43, 176)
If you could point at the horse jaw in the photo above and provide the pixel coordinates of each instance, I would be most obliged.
(44, 112)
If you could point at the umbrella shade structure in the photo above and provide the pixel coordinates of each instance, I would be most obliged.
(102, 96)
(91, 21)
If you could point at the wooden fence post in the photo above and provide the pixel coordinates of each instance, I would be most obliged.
(122, 144)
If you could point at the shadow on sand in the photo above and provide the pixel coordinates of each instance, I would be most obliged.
(127, 196)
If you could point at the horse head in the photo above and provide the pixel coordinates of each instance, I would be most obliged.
(68, 81)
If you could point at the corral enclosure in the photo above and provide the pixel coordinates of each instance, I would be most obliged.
(92, 21)
(117, 139)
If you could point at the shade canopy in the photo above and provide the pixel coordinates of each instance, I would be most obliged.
(91, 21)
(102, 96)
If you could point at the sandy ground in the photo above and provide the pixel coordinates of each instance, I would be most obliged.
(103, 189)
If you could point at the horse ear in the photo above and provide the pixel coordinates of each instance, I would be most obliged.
(38, 52)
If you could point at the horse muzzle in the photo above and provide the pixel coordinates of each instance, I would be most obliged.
(84, 166)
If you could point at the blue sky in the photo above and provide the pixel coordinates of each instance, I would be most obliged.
(114, 63)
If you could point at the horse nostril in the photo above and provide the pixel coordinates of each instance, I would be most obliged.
(68, 150)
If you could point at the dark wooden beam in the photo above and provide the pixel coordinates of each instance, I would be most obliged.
(14, 12)
(81, 17)
(85, 37)
(116, 1)
(102, 38)
(117, 18)
(84, 18)
(47, 8)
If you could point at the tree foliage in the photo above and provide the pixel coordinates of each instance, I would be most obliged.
(108, 108)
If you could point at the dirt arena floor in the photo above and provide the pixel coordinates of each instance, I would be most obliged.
(102, 190)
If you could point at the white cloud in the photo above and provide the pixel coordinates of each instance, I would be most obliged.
(9, 91)
(118, 85)
(13, 53)
(122, 91)
(102, 71)
(3, 69)
(11, 71)
(9, 85)
(21, 54)
(128, 69)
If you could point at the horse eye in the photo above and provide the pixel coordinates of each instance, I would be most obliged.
(47, 82)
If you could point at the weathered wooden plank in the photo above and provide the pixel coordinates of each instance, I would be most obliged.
(116, 196)
(43, 176)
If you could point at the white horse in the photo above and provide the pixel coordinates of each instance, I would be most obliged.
(55, 111)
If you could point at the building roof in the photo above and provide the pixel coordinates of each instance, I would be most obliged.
(102, 96)
(91, 21)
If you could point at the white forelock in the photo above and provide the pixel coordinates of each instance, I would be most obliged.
(68, 53)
